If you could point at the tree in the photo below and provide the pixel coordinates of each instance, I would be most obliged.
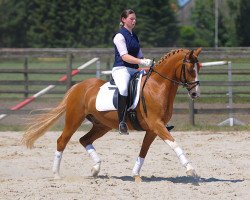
(52, 24)
(98, 22)
(230, 12)
(84, 23)
(187, 36)
(13, 23)
(157, 24)
(203, 20)
(243, 25)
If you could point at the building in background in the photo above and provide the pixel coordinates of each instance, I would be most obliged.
(184, 13)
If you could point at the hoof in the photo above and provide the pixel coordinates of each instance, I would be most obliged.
(137, 179)
(195, 178)
(96, 169)
(192, 173)
(57, 176)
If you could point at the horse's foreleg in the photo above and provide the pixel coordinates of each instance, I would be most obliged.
(165, 135)
(180, 154)
(147, 141)
(97, 131)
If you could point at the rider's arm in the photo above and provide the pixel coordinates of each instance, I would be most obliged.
(120, 43)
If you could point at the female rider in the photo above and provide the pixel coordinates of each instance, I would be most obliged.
(128, 56)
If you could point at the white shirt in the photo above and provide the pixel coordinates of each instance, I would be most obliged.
(120, 43)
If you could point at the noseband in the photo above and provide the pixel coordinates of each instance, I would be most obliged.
(183, 77)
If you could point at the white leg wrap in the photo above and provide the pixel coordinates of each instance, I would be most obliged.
(137, 168)
(91, 151)
(178, 152)
(57, 162)
(189, 167)
(181, 156)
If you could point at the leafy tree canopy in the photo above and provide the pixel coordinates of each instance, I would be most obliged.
(84, 23)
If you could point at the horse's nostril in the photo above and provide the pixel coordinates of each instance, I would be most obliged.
(194, 94)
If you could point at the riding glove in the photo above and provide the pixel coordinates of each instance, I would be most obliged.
(146, 62)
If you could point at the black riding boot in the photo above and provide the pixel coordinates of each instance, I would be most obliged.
(169, 127)
(122, 109)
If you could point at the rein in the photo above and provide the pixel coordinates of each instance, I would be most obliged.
(142, 93)
(183, 83)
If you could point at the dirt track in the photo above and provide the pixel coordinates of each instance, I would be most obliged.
(222, 160)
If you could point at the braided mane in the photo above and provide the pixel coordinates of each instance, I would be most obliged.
(169, 54)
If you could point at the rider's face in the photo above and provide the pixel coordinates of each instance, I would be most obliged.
(130, 21)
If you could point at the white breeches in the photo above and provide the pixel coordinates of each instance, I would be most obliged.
(121, 76)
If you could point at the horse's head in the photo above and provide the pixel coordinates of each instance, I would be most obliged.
(188, 73)
(183, 69)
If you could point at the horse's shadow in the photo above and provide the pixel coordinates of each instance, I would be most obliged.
(178, 179)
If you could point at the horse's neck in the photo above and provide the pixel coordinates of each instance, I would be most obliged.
(169, 90)
(165, 75)
(166, 84)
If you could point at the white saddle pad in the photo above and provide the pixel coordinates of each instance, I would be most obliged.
(104, 99)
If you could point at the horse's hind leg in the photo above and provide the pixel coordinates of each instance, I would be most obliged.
(97, 131)
(72, 122)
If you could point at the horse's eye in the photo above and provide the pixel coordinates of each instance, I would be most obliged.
(191, 70)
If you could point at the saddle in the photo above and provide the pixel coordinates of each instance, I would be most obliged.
(131, 99)
(107, 99)
(132, 90)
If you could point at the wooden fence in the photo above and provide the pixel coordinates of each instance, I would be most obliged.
(106, 61)
(27, 81)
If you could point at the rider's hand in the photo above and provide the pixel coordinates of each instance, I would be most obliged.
(146, 62)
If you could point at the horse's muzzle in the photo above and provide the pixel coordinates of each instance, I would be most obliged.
(194, 95)
(194, 91)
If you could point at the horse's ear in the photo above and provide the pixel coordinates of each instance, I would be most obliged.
(197, 51)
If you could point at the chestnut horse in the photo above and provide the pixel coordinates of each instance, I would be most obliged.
(176, 68)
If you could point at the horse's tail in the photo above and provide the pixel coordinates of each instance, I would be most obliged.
(39, 124)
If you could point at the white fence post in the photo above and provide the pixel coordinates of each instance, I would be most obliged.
(98, 69)
(230, 121)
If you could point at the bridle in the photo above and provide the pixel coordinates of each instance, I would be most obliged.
(183, 78)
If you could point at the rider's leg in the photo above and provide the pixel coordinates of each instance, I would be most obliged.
(169, 127)
(121, 77)
(122, 110)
